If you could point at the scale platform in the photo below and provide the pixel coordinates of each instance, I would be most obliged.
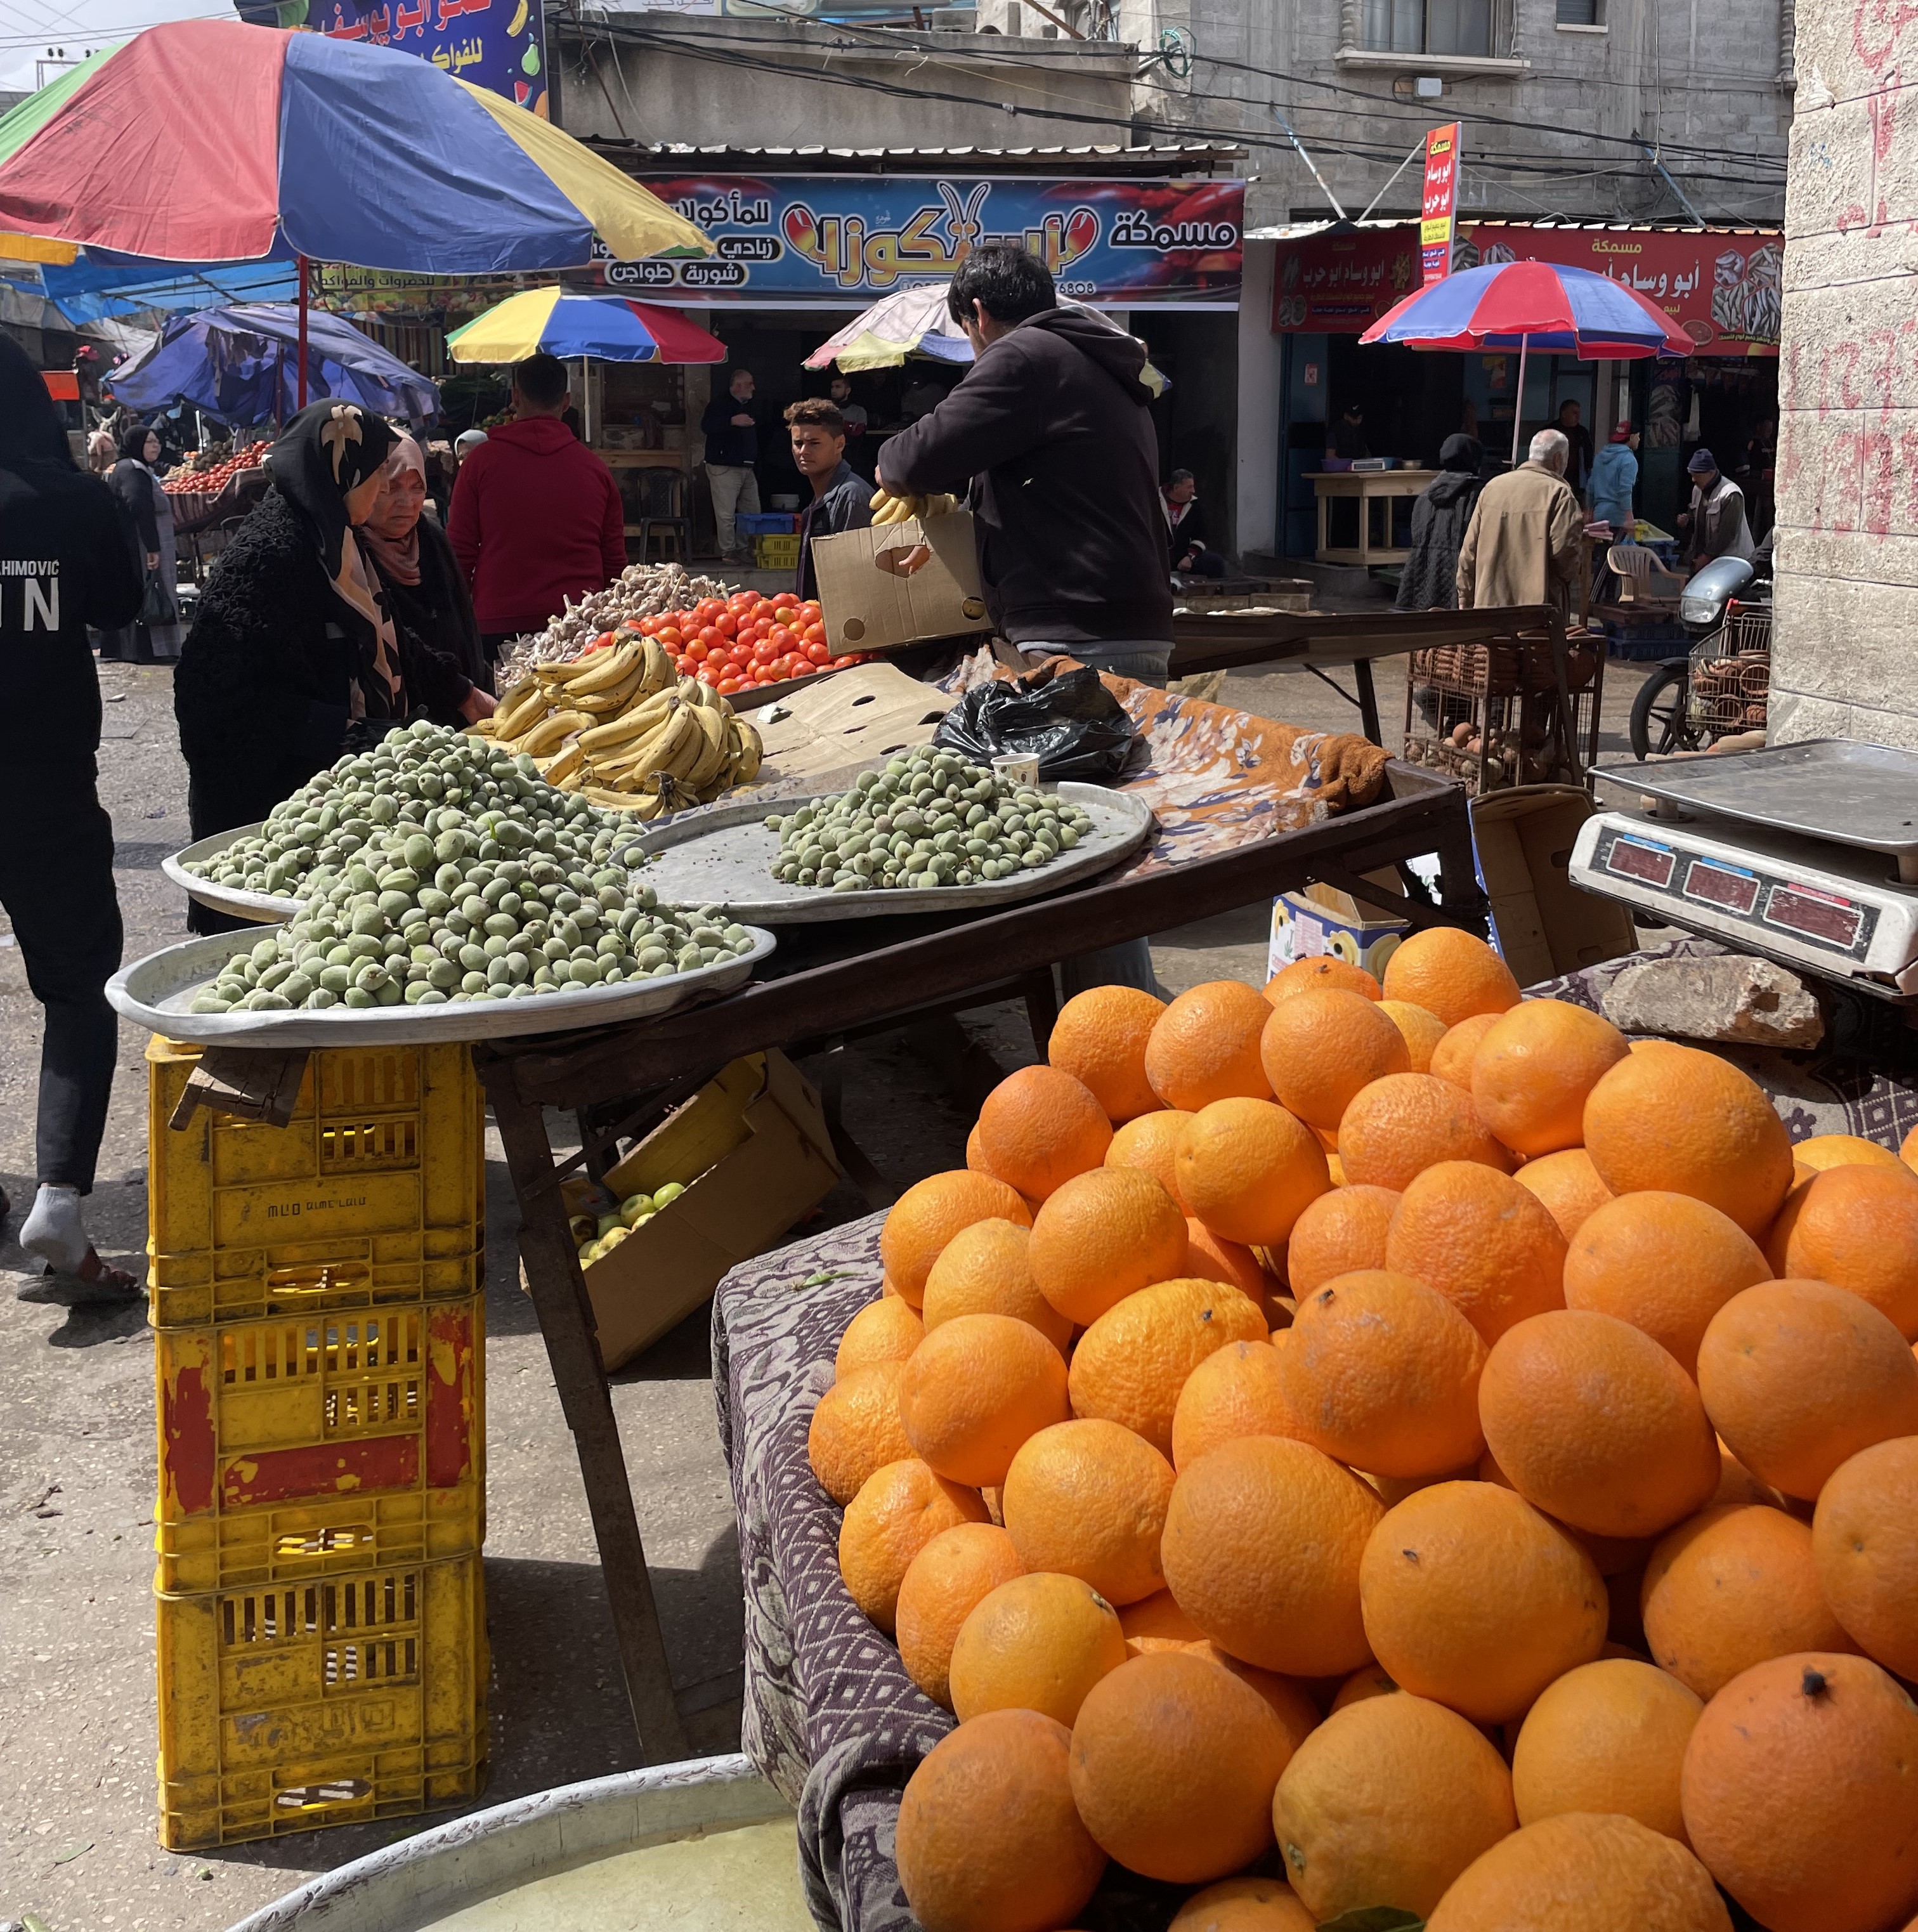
(1807, 853)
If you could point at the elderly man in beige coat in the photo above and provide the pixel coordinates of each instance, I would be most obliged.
(1523, 545)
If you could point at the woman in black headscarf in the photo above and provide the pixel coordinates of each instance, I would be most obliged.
(1440, 518)
(67, 561)
(134, 482)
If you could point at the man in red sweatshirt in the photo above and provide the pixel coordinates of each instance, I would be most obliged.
(535, 516)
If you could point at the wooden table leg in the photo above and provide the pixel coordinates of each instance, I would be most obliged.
(1325, 525)
(1368, 701)
(558, 1295)
(1042, 1008)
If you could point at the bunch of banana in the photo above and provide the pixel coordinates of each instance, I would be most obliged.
(887, 509)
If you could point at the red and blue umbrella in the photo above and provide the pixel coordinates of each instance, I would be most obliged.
(213, 141)
(607, 328)
(1528, 305)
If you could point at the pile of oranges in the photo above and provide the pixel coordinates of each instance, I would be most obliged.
(1361, 1449)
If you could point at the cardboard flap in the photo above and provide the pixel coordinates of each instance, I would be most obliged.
(1545, 925)
(898, 583)
(852, 719)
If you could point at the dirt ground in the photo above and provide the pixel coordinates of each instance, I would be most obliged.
(78, 1819)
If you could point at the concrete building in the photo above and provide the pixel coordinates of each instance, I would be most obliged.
(1845, 658)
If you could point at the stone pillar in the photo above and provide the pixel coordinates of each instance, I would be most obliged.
(1845, 651)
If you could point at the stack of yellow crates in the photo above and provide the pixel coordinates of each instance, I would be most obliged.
(316, 1296)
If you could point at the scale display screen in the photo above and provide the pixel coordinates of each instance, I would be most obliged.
(1636, 860)
(1817, 915)
(1721, 885)
(1721, 894)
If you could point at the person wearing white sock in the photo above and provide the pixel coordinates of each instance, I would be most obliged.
(68, 558)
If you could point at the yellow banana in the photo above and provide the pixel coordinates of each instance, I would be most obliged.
(551, 732)
(881, 497)
(658, 674)
(605, 669)
(629, 727)
(614, 698)
(712, 760)
(565, 765)
(688, 752)
(751, 752)
(679, 735)
(518, 20)
(519, 711)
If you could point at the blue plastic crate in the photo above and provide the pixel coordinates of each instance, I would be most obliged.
(768, 524)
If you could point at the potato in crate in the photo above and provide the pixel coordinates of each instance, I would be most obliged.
(274, 1433)
(334, 1700)
(373, 1192)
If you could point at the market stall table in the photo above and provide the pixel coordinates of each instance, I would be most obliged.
(1246, 809)
(1365, 487)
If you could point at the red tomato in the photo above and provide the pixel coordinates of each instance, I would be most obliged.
(785, 600)
(814, 634)
(764, 652)
(725, 623)
(809, 612)
(781, 639)
(599, 644)
(670, 637)
(697, 649)
(818, 653)
(710, 636)
(728, 685)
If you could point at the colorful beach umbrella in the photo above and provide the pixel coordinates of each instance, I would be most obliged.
(607, 328)
(1528, 305)
(213, 141)
(241, 364)
(910, 321)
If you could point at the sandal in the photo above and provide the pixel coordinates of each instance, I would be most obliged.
(100, 1284)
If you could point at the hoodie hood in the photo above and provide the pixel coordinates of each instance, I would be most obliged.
(1120, 355)
(542, 434)
(1449, 485)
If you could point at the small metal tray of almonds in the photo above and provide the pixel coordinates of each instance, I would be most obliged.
(264, 909)
(724, 856)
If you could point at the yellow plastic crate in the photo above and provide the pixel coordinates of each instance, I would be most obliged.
(373, 1192)
(275, 1432)
(775, 553)
(330, 1702)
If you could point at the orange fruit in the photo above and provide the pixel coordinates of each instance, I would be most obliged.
(1612, 1554)
(986, 1269)
(1039, 1127)
(1035, 1643)
(897, 1512)
(989, 1838)
(1103, 1236)
(1686, 1122)
(1609, 1736)
(1452, 1058)
(1319, 1048)
(1248, 1168)
(1489, 1247)
(975, 1155)
(1205, 1047)
(1211, 1257)
(1382, 1373)
(1158, 1623)
(1798, 1376)
(1732, 1587)
(928, 1215)
(1130, 1365)
(1261, 1549)
(1824, 1150)
(1864, 1541)
(1173, 1763)
(1318, 973)
(974, 1390)
(1237, 1390)
(1534, 1070)
(1583, 1871)
(1736, 1483)
(1568, 1184)
(1399, 1125)
(1368, 1681)
(1907, 1149)
(1341, 1233)
(1089, 1499)
(1857, 1227)
(1472, 1598)
(1421, 1031)
(957, 1571)
(1451, 974)
(1596, 1425)
(885, 1330)
(1776, 1239)
(1291, 1703)
(1100, 1038)
(1385, 1803)
(856, 1429)
(1801, 1794)
(1665, 1263)
(1151, 1142)
(1244, 1905)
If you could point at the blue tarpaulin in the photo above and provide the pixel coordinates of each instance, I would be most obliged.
(241, 364)
(101, 283)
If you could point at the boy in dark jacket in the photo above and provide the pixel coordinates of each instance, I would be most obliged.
(68, 559)
(842, 498)
(1050, 427)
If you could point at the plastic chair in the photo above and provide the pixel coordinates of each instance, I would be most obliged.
(662, 506)
(1642, 579)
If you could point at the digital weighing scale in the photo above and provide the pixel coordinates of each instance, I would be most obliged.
(1807, 853)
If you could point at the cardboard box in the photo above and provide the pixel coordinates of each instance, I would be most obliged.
(1545, 925)
(753, 1146)
(826, 731)
(900, 583)
(1320, 920)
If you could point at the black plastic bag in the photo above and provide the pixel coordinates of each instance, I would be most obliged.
(1072, 724)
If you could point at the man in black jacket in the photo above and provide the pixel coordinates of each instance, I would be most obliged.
(1050, 427)
(68, 559)
(842, 498)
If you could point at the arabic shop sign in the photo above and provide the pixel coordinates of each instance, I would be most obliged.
(793, 237)
(1721, 289)
(499, 45)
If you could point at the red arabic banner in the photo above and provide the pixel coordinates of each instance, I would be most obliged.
(1721, 288)
(1438, 210)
